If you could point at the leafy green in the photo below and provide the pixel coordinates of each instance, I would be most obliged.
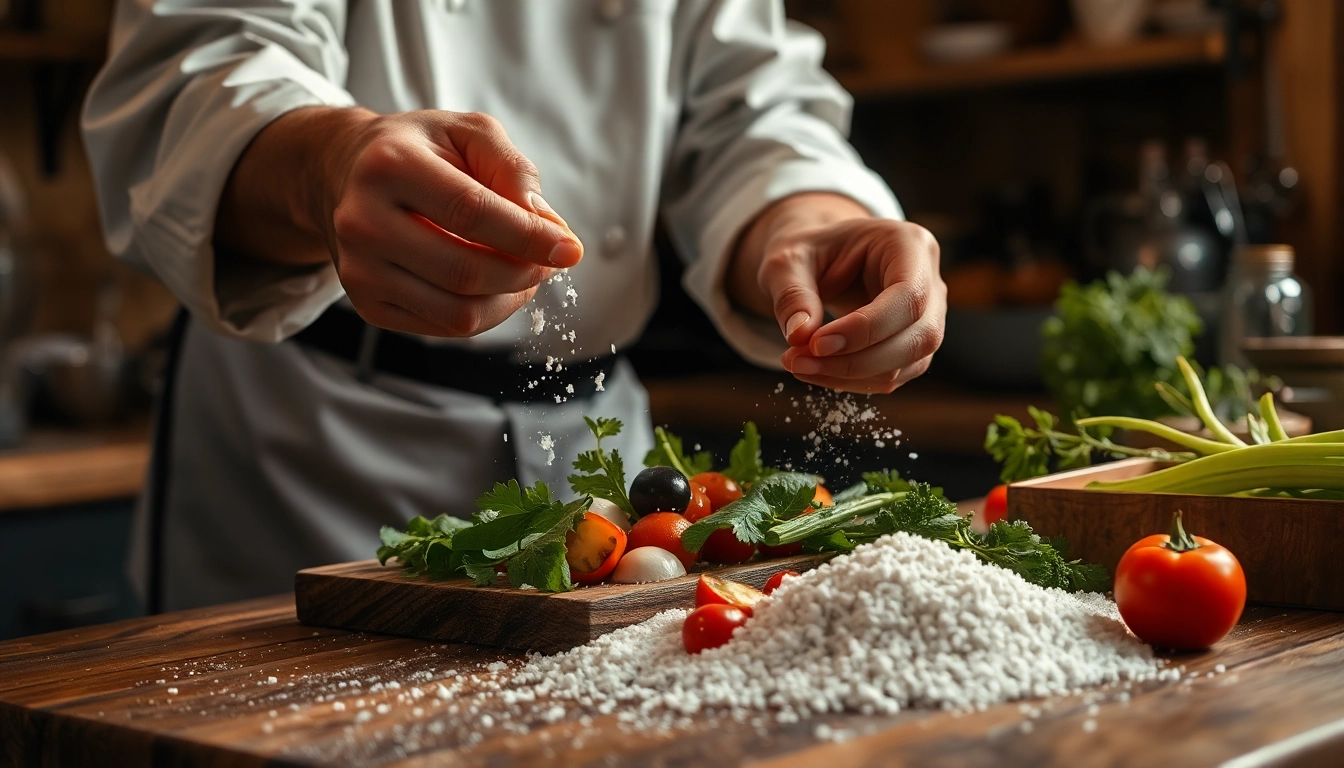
(425, 547)
(744, 461)
(1026, 452)
(603, 474)
(1112, 340)
(922, 511)
(512, 499)
(667, 452)
(884, 481)
(540, 562)
(781, 496)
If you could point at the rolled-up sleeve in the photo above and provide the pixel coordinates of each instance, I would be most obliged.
(761, 121)
(187, 87)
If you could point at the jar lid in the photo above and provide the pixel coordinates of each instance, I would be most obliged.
(1276, 254)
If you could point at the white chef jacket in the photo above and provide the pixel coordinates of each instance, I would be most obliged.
(700, 112)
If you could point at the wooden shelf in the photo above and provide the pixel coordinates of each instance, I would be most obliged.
(54, 467)
(1067, 61)
(38, 47)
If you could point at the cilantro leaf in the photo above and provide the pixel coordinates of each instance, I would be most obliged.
(512, 499)
(744, 461)
(885, 481)
(601, 474)
(780, 496)
(425, 545)
(540, 561)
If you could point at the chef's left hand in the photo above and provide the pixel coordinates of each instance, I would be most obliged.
(879, 278)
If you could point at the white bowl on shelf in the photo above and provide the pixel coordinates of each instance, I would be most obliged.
(1109, 22)
(965, 42)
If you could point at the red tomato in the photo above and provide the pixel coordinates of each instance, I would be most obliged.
(777, 579)
(710, 626)
(1179, 591)
(593, 548)
(712, 590)
(700, 505)
(720, 488)
(723, 548)
(996, 505)
(823, 498)
(663, 530)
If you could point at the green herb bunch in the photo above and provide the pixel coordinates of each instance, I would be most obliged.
(1111, 340)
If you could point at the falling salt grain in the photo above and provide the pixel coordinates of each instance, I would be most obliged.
(538, 321)
(598, 379)
(547, 444)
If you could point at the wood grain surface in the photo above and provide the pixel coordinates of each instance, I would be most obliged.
(1287, 547)
(373, 598)
(247, 685)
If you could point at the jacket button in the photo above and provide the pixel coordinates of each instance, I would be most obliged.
(610, 10)
(613, 240)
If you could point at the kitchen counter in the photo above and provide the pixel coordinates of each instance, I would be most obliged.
(55, 467)
(236, 685)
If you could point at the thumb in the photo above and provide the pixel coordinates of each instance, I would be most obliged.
(791, 283)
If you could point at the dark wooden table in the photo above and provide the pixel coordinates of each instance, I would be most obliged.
(247, 685)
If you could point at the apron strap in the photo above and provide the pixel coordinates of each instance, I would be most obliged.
(159, 463)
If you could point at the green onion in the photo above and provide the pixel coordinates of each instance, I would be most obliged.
(1277, 465)
(1183, 439)
(1202, 407)
(1271, 417)
(826, 518)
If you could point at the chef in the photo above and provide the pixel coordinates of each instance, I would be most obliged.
(412, 237)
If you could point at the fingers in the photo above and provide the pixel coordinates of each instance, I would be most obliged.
(461, 205)
(492, 159)
(451, 263)
(788, 277)
(916, 342)
(883, 384)
(910, 291)
(388, 296)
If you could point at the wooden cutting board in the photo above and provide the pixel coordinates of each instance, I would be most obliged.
(373, 598)
(1288, 548)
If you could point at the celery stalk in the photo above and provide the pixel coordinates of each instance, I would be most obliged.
(1202, 407)
(1271, 417)
(1279, 465)
(1183, 439)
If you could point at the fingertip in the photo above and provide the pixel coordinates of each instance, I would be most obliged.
(566, 253)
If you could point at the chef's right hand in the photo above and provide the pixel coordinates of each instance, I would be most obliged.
(436, 223)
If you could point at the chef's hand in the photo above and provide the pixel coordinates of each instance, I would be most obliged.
(434, 220)
(818, 251)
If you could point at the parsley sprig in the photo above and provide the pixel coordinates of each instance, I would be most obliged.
(602, 474)
(1025, 452)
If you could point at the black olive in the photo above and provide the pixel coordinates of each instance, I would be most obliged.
(660, 489)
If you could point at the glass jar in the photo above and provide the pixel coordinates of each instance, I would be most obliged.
(1262, 298)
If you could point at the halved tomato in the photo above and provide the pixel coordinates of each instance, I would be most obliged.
(593, 548)
(663, 529)
(713, 591)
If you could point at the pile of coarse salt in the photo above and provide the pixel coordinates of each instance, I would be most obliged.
(901, 622)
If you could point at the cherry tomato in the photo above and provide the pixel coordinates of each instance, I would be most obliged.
(711, 626)
(996, 505)
(662, 530)
(720, 488)
(712, 590)
(822, 498)
(777, 579)
(593, 548)
(659, 489)
(723, 548)
(1179, 591)
(700, 506)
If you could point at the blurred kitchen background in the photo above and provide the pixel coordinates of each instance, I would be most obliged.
(1042, 141)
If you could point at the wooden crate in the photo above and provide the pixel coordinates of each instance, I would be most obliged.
(368, 597)
(1290, 549)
